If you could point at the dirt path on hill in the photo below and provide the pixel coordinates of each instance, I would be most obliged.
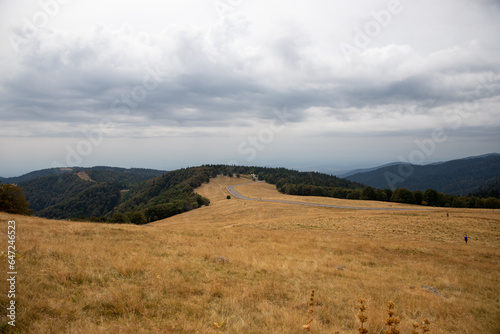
(238, 195)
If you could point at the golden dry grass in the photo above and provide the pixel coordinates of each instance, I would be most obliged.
(268, 191)
(165, 277)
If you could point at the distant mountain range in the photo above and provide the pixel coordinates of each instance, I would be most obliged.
(365, 170)
(471, 175)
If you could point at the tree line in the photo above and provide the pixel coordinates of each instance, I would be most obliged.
(430, 197)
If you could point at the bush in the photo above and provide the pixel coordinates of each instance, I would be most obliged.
(119, 218)
(12, 200)
(403, 195)
(138, 218)
(368, 193)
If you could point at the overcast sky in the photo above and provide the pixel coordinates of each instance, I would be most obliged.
(302, 84)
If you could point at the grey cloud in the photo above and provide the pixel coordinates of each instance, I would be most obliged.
(221, 82)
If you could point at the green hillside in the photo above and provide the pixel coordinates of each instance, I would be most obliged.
(167, 195)
(67, 195)
(97, 193)
(95, 201)
(46, 191)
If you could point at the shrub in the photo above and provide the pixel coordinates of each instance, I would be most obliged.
(12, 200)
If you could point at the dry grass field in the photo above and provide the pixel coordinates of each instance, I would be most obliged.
(241, 266)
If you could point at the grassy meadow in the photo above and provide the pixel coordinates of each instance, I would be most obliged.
(241, 266)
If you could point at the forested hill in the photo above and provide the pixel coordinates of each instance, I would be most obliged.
(79, 192)
(140, 195)
(167, 195)
(456, 177)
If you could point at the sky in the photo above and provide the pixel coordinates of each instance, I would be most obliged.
(309, 85)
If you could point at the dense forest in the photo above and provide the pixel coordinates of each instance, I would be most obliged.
(165, 196)
(96, 200)
(80, 192)
(117, 195)
(429, 197)
(46, 191)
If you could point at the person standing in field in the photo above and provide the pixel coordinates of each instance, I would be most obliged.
(466, 238)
